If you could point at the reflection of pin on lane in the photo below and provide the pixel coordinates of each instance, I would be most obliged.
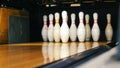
(73, 29)
(81, 47)
(64, 50)
(57, 51)
(50, 28)
(44, 29)
(95, 28)
(81, 28)
(88, 45)
(45, 51)
(73, 48)
(109, 29)
(57, 28)
(64, 30)
(95, 44)
(50, 51)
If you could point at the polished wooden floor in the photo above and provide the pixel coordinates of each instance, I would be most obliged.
(29, 55)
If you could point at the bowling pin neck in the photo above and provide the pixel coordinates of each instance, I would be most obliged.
(95, 16)
(57, 21)
(87, 18)
(45, 19)
(51, 18)
(57, 17)
(73, 21)
(95, 21)
(51, 21)
(87, 22)
(65, 20)
(73, 18)
(64, 16)
(81, 20)
(108, 22)
(81, 16)
(108, 18)
(45, 22)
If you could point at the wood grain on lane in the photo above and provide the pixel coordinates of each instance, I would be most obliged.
(29, 55)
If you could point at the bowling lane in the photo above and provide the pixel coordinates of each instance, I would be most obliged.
(28, 55)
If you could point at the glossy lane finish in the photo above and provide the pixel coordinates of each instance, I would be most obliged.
(28, 55)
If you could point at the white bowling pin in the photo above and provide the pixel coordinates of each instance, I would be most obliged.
(95, 28)
(57, 28)
(44, 29)
(81, 28)
(73, 29)
(64, 30)
(109, 29)
(51, 29)
(87, 28)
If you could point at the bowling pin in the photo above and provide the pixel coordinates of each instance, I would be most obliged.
(87, 28)
(73, 29)
(109, 29)
(95, 28)
(45, 29)
(51, 29)
(81, 28)
(64, 30)
(57, 28)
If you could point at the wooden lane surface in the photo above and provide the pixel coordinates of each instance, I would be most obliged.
(29, 55)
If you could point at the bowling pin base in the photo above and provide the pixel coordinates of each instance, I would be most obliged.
(81, 41)
(108, 41)
(87, 40)
(57, 41)
(95, 41)
(64, 41)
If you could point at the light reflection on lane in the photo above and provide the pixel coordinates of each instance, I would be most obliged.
(57, 47)
(95, 44)
(73, 48)
(54, 51)
(64, 50)
(81, 47)
(51, 51)
(45, 52)
(88, 45)
(36, 54)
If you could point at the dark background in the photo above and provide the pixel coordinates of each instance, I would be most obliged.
(37, 12)
(37, 9)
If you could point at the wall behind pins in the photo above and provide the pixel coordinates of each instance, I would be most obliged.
(36, 17)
